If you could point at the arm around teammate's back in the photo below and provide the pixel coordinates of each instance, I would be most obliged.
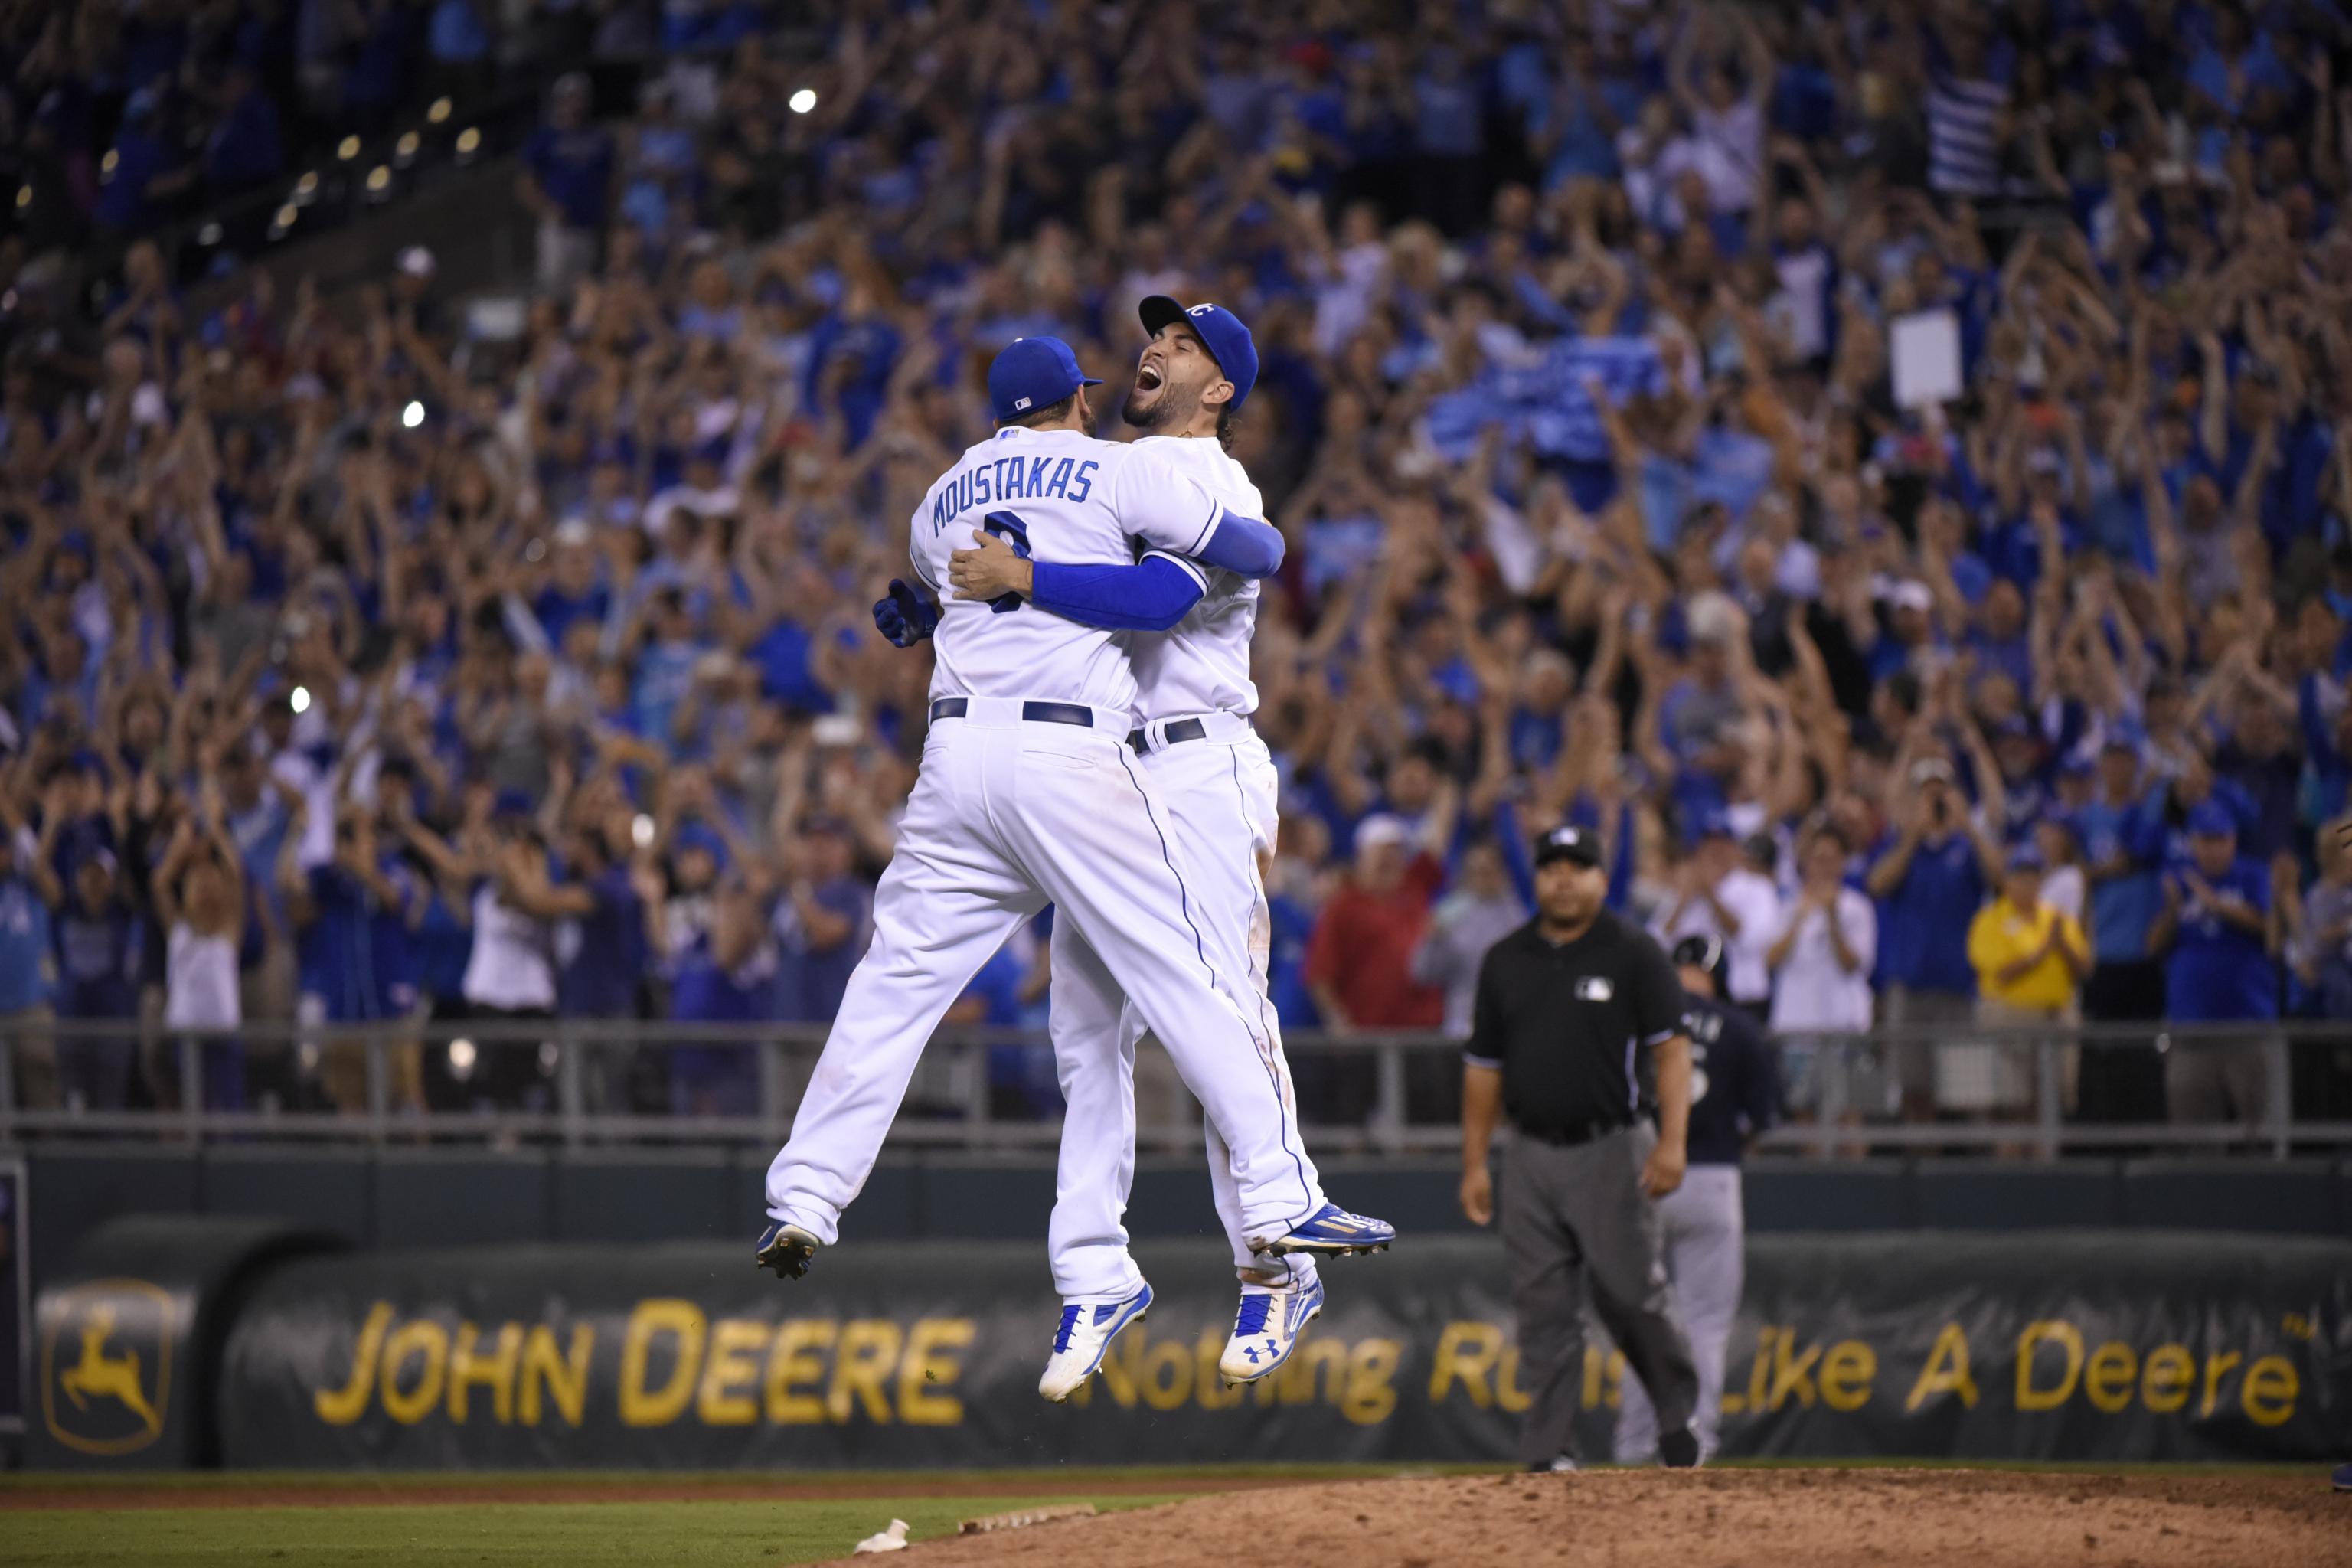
(1168, 509)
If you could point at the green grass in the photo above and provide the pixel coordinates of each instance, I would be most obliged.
(1054, 1479)
(575, 1534)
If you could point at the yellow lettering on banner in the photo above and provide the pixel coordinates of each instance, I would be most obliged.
(724, 1396)
(1116, 1373)
(2108, 1377)
(564, 1377)
(792, 1368)
(930, 1370)
(1510, 1397)
(1847, 1371)
(682, 1323)
(495, 1371)
(1947, 1372)
(2068, 1339)
(1791, 1375)
(2269, 1391)
(349, 1403)
(1466, 1353)
(2166, 1378)
(1593, 1363)
(1371, 1395)
(869, 1349)
(1325, 1360)
(1613, 1373)
(424, 1338)
(1166, 1374)
(1209, 1390)
(1762, 1367)
(2217, 1367)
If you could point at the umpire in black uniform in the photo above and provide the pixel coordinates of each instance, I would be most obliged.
(1572, 1008)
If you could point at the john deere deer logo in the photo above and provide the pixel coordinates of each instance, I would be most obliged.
(107, 1391)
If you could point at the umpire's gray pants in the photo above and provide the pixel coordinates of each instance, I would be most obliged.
(1573, 1215)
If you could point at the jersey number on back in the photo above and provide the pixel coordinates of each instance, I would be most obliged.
(1008, 527)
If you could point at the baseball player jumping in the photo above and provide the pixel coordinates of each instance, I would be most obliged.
(1220, 785)
(1028, 795)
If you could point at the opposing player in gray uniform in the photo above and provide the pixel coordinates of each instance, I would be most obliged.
(1189, 627)
(1734, 1091)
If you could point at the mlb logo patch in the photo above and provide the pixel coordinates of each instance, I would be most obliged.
(1021, 403)
(1594, 988)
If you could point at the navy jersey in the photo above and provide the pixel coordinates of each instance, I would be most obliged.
(1735, 1084)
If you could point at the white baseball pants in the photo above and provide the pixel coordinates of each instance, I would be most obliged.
(1220, 793)
(1007, 816)
(1703, 1224)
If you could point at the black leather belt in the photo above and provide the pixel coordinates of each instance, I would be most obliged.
(1075, 713)
(1568, 1137)
(1175, 734)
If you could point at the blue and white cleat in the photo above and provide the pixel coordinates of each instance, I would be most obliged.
(786, 1249)
(1271, 1321)
(1083, 1338)
(2344, 1478)
(1331, 1232)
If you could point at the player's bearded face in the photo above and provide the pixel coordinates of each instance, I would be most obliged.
(1168, 380)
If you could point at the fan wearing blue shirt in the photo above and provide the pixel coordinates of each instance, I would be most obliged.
(2122, 837)
(2218, 926)
(1929, 884)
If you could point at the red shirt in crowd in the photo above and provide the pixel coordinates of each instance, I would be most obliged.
(1362, 949)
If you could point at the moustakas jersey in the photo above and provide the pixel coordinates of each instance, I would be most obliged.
(1201, 665)
(1066, 497)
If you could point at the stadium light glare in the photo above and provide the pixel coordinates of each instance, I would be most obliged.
(404, 149)
(285, 219)
(379, 179)
(307, 186)
(462, 1057)
(24, 197)
(209, 235)
(802, 102)
(413, 415)
(469, 140)
(440, 111)
(348, 149)
(298, 700)
(106, 165)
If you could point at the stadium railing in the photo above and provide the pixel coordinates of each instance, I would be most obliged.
(577, 1082)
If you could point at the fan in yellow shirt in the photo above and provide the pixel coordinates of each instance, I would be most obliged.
(2029, 957)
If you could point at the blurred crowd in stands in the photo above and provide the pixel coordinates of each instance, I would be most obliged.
(355, 668)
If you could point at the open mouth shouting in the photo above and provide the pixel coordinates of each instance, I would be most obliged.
(1148, 377)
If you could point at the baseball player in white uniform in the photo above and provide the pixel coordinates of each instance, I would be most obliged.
(1029, 794)
(1191, 630)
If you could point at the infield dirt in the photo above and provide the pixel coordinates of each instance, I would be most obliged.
(1714, 1518)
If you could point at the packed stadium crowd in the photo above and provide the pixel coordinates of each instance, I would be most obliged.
(354, 668)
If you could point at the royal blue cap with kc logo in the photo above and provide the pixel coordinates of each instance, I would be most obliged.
(1221, 331)
(1031, 374)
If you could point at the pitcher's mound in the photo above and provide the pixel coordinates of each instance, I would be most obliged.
(1715, 1519)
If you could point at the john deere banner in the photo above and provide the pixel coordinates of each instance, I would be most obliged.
(2148, 1346)
(16, 1296)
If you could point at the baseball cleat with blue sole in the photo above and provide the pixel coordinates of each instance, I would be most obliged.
(1332, 1232)
(1083, 1338)
(2344, 1478)
(785, 1249)
(1271, 1322)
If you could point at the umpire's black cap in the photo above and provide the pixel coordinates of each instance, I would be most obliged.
(1567, 843)
(1700, 951)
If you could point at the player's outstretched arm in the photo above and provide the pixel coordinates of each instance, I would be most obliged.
(1152, 594)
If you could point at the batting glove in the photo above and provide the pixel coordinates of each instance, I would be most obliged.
(906, 618)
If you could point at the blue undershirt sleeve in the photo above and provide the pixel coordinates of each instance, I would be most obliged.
(1246, 546)
(1152, 596)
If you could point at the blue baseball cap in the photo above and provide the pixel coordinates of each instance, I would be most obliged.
(1715, 824)
(1031, 374)
(2211, 819)
(2027, 857)
(1229, 342)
